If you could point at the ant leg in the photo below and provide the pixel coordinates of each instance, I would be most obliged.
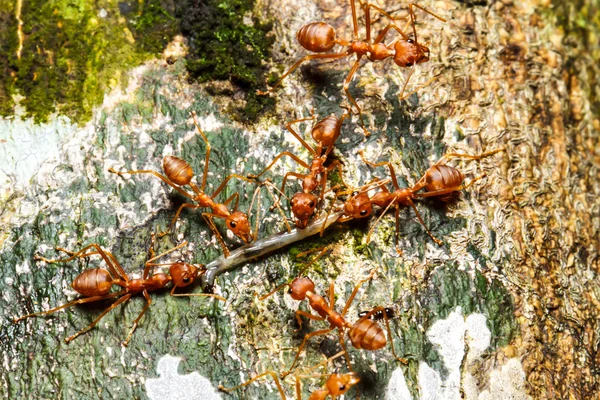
(368, 22)
(306, 338)
(280, 155)
(398, 250)
(313, 260)
(297, 64)
(350, 98)
(355, 291)
(410, 74)
(389, 331)
(338, 164)
(224, 183)
(381, 164)
(276, 204)
(285, 177)
(122, 299)
(107, 256)
(379, 219)
(354, 19)
(208, 217)
(423, 9)
(404, 97)
(137, 320)
(308, 315)
(162, 177)
(69, 304)
(450, 156)
(288, 126)
(214, 296)
(439, 242)
(345, 350)
(235, 196)
(176, 217)
(207, 156)
(269, 373)
(151, 263)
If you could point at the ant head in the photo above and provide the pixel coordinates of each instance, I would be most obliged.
(358, 206)
(338, 384)
(177, 170)
(409, 53)
(184, 274)
(237, 222)
(299, 287)
(303, 206)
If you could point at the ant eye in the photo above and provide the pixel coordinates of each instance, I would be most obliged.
(355, 193)
(232, 224)
(342, 387)
(409, 64)
(290, 291)
(363, 213)
(312, 204)
(186, 279)
(410, 41)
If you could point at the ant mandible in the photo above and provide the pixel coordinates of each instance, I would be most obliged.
(320, 37)
(440, 180)
(304, 203)
(364, 333)
(94, 284)
(335, 385)
(179, 173)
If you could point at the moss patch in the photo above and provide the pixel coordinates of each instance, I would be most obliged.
(227, 43)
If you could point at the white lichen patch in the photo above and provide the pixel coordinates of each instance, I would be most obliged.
(172, 386)
(461, 342)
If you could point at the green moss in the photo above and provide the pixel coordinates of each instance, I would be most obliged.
(226, 44)
(74, 52)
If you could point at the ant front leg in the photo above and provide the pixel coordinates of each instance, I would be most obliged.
(176, 217)
(266, 373)
(208, 217)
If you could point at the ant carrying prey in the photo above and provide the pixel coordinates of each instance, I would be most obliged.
(179, 173)
(95, 284)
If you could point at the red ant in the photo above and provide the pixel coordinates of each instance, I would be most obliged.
(364, 333)
(440, 180)
(94, 284)
(335, 385)
(320, 37)
(304, 203)
(179, 173)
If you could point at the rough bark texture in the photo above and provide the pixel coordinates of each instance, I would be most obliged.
(508, 306)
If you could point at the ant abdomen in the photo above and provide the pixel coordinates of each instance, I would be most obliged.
(442, 177)
(317, 37)
(326, 130)
(367, 334)
(178, 170)
(93, 282)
